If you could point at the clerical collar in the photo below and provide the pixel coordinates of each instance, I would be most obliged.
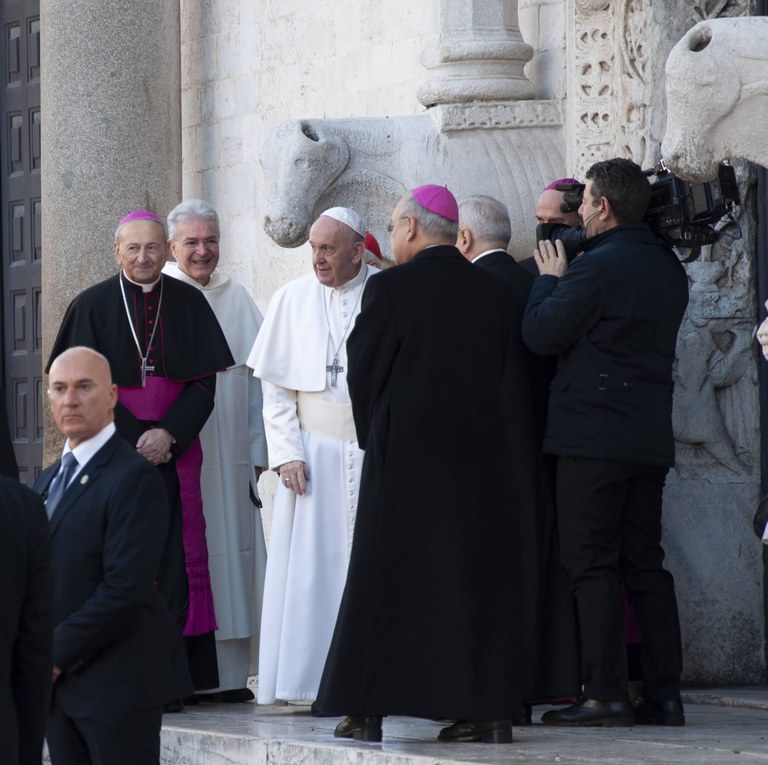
(144, 287)
(355, 281)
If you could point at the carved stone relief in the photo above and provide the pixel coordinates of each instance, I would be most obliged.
(368, 164)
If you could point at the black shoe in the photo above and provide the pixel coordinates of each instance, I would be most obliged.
(360, 728)
(523, 717)
(191, 701)
(650, 712)
(314, 710)
(591, 713)
(487, 731)
(233, 696)
(172, 707)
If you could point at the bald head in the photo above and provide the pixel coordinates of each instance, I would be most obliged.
(81, 393)
(548, 210)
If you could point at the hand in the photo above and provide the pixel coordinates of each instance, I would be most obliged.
(56, 674)
(293, 475)
(155, 445)
(762, 336)
(258, 470)
(550, 258)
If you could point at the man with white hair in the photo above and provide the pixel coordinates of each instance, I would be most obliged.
(301, 357)
(550, 629)
(234, 450)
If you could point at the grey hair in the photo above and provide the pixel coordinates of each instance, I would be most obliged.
(191, 209)
(486, 218)
(432, 224)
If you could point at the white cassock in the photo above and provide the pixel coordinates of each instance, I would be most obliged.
(233, 442)
(308, 419)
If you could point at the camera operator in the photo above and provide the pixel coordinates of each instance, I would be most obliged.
(612, 317)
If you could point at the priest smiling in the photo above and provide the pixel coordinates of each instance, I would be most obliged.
(164, 346)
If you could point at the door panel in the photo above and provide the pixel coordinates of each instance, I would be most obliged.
(20, 211)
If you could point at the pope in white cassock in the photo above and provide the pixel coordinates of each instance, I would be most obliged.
(300, 356)
(234, 451)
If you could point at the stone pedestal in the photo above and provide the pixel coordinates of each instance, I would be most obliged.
(111, 137)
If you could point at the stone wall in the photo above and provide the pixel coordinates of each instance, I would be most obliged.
(248, 66)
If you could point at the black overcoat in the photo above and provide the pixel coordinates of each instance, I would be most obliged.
(431, 619)
(551, 643)
(26, 624)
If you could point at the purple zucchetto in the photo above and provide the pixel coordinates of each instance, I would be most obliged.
(438, 200)
(571, 181)
(142, 215)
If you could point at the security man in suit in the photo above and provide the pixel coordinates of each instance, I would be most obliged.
(613, 316)
(26, 624)
(117, 653)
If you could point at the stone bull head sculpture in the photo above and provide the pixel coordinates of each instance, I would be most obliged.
(717, 96)
(368, 164)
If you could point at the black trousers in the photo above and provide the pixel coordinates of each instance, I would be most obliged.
(609, 521)
(126, 738)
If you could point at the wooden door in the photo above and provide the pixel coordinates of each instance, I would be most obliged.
(20, 231)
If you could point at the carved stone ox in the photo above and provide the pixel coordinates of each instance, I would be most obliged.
(368, 164)
(717, 96)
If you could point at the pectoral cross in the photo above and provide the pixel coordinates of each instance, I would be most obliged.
(144, 369)
(334, 369)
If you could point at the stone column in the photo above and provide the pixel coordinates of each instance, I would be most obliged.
(478, 55)
(111, 137)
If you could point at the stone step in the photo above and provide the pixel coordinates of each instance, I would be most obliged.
(722, 727)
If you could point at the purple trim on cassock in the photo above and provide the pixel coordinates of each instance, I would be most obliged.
(152, 403)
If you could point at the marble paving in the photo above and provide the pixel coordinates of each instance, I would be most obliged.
(724, 726)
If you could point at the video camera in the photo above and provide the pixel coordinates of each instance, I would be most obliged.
(681, 213)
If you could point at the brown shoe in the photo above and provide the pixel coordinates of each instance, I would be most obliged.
(360, 728)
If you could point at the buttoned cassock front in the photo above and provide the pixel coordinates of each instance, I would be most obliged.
(308, 419)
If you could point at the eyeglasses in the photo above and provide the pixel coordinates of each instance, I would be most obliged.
(391, 224)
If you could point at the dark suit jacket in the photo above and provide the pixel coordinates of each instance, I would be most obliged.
(26, 624)
(613, 319)
(115, 640)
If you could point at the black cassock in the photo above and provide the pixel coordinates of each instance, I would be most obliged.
(188, 347)
(433, 618)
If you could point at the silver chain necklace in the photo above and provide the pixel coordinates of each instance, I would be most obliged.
(143, 356)
(334, 367)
